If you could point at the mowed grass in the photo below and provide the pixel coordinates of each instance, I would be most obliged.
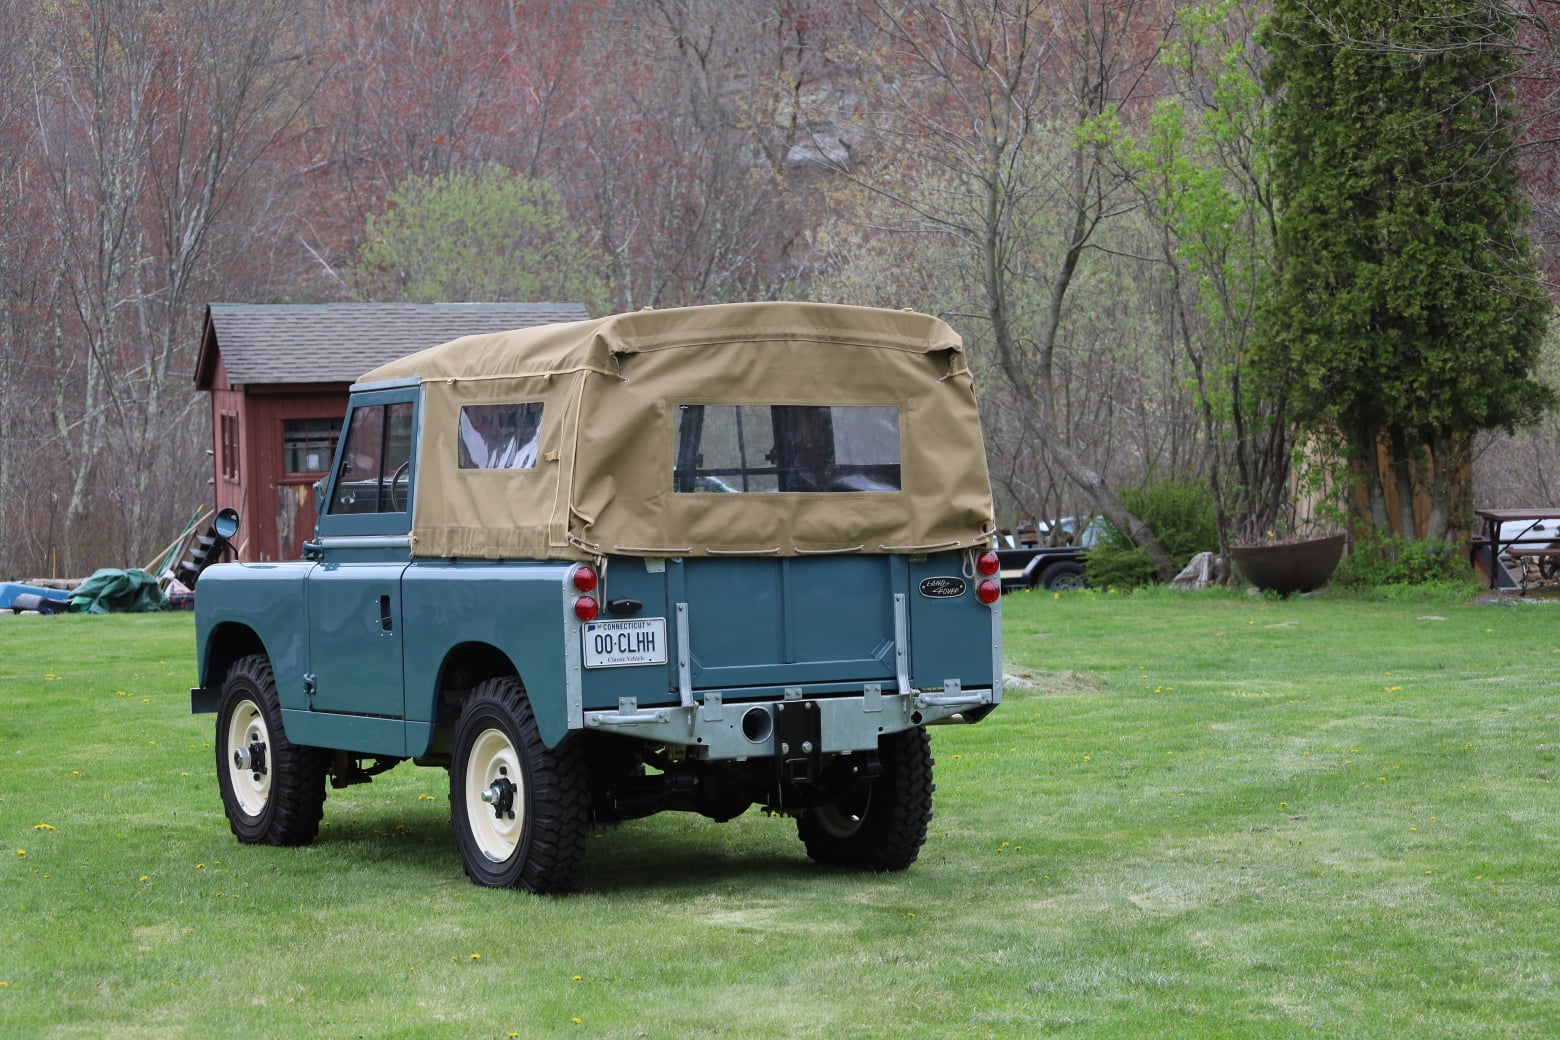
(1202, 816)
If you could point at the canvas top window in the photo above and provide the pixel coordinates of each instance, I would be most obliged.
(500, 436)
(787, 448)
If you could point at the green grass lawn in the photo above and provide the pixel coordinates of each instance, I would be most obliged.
(1202, 816)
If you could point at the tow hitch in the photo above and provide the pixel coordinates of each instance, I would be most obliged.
(798, 741)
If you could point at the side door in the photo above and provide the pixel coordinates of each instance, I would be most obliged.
(363, 545)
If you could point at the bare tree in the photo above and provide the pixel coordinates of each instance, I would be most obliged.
(1203, 173)
(1013, 103)
(146, 126)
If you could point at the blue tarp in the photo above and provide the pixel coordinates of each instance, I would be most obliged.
(9, 590)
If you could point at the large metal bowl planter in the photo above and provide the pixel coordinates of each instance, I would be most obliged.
(1290, 567)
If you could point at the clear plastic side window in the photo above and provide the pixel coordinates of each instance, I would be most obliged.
(500, 436)
(786, 448)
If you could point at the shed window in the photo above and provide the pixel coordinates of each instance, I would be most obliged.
(308, 444)
(786, 448)
(229, 432)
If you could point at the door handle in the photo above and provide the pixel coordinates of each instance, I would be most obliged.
(386, 624)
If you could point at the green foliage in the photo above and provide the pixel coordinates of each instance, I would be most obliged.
(1378, 560)
(1203, 170)
(1407, 307)
(1115, 563)
(484, 235)
(1180, 513)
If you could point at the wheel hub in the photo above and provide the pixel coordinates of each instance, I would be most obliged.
(250, 758)
(500, 794)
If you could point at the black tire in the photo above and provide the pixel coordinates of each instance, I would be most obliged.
(1064, 577)
(532, 835)
(280, 802)
(880, 826)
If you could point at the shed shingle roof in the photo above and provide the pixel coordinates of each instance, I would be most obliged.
(338, 342)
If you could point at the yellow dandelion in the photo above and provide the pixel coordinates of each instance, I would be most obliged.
(145, 878)
(43, 826)
(577, 978)
(576, 1020)
(476, 956)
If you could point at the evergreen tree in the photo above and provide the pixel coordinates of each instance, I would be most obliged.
(1407, 312)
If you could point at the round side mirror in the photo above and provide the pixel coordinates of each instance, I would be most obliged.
(226, 523)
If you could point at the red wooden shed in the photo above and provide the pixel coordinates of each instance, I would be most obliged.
(278, 376)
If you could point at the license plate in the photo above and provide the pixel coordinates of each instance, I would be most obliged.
(615, 644)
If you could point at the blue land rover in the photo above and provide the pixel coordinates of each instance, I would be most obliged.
(696, 559)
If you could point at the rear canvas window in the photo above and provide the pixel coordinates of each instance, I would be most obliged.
(786, 448)
(500, 436)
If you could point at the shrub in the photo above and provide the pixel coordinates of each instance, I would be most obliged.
(1378, 560)
(1179, 512)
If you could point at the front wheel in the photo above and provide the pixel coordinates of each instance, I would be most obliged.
(880, 825)
(273, 790)
(520, 808)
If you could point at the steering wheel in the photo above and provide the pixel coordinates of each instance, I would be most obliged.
(402, 473)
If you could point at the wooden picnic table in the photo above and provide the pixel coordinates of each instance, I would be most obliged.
(1521, 544)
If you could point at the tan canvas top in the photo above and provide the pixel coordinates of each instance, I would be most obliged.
(611, 392)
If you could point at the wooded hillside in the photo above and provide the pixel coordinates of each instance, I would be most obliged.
(1078, 186)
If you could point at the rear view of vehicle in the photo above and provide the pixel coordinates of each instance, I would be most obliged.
(698, 560)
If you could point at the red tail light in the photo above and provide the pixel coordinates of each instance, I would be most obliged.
(987, 563)
(584, 580)
(989, 590)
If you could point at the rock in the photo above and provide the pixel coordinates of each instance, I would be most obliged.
(1205, 569)
(823, 150)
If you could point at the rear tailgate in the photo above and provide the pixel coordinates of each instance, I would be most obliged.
(826, 624)
(789, 621)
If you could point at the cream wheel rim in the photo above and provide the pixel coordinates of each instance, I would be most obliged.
(247, 728)
(495, 795)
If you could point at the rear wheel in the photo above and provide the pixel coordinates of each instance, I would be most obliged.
(1064, 577)
(273, 790)
(520, 808)
(880, 824)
